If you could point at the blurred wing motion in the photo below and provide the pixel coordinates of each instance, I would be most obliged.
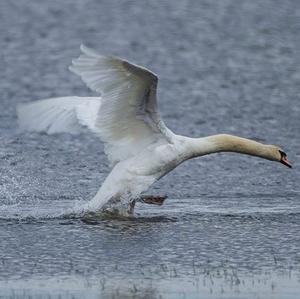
(126, 116)
(58, 115)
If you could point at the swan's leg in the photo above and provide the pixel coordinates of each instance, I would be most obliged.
(148, 199)
(153, 199)
(131, 206)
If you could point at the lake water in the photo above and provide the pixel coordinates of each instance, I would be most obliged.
(230, 227)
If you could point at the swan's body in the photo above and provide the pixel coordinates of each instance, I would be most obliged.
(140, 147)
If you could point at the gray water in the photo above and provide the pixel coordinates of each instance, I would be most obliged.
(230, 227)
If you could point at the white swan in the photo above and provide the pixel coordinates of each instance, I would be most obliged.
(139, 146)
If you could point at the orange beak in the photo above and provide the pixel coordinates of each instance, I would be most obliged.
(286, 162)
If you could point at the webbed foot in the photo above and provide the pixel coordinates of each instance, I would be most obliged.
(153, 199)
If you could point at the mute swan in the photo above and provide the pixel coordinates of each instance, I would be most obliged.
(139, 146)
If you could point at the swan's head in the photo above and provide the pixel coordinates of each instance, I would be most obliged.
(279, 155)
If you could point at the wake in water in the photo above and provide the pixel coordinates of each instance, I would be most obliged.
(180, 208)
(61, 208)
(66, 210)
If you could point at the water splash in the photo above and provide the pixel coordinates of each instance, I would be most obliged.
(181, 208)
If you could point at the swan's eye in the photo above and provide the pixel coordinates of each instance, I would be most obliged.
(282, 153)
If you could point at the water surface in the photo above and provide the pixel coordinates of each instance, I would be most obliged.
(230, 227)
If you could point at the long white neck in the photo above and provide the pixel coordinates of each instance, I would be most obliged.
(228, 143)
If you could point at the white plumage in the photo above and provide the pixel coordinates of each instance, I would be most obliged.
(58, 115)
(128, 119)
(140, 147)
(125, 117)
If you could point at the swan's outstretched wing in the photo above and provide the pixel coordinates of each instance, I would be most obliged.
(128, 119)
(57, 115)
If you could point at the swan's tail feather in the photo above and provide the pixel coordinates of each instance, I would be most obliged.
(57, 115)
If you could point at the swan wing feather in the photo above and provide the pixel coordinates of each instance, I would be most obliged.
(128, 120)
(58, 115)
